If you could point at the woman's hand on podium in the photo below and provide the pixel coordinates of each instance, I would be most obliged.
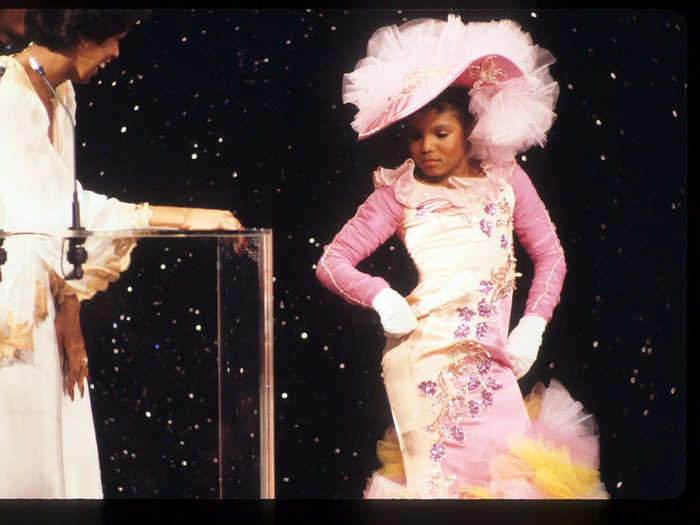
(198, 219)
(71, 346)
(210, 219)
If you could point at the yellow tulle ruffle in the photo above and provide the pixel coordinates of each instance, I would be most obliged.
(389, 454)
(548, 470)
(529, 469)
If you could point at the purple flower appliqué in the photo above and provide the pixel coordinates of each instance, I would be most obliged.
(473, 382)
(486, 227)
(504, 242)
(485, 309)
(457, 433)
(487, 398)
(462, 331)
(474, 407)
(427, 388)
(485, 287)
(465, 314)
(491, 383)
(481, 330)
(484, 366)
(437, 452)
(490, 208)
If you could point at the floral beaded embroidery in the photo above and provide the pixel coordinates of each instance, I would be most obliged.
(427, 388)
(462, 331)
(473, 383)
(505, 243)
(463, 388)
(465, 316)
(507, 211)
(486, 227)
(437, 452)
(485, 287)
(457, 433)
(485, 309)
(481, 331)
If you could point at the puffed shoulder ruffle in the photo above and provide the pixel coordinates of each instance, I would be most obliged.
(463, 193)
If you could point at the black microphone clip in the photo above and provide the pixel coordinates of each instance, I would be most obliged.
(3, 255)
(77, 254)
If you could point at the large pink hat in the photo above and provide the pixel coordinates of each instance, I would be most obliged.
(512, 94)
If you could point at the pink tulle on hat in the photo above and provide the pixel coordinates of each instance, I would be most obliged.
(512, 94)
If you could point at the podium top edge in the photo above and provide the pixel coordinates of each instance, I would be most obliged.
(142, 233)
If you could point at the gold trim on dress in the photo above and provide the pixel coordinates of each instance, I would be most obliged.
(41, 310)
(20, 337)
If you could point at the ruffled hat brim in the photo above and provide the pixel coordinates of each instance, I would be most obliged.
(407, 66)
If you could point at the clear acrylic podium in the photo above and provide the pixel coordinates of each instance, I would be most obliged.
(181, 365)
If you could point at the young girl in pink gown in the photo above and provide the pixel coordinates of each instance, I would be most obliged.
(472, 96)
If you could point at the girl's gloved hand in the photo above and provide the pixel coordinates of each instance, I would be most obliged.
(394, 313)
(524, 343)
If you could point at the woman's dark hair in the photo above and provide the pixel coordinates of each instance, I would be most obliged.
(60, 29)
(453, 98)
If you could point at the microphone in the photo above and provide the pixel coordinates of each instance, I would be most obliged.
(77, 255)
(3, 251)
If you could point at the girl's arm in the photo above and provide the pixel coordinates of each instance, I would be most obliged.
(375, 221)
(537, 234)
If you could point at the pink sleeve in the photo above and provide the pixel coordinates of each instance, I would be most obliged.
(538, 236)
(375, 221)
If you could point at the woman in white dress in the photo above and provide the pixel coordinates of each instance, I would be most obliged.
(48, 447)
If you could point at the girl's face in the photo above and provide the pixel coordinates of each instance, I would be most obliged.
(89, 56)
(438, 143)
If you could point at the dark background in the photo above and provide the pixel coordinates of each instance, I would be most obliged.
(256, 95)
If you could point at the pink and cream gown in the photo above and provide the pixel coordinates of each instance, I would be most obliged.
(461, 426)
(48, 447)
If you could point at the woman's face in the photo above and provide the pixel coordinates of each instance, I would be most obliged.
(438, 143)
(88, 56)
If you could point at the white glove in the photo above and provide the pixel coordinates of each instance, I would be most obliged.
(394, 313)
(524, 343)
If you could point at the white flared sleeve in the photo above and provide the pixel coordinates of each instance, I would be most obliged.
(37, 185)
(107, 257)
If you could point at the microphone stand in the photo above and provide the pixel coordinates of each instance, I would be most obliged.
(77, 254)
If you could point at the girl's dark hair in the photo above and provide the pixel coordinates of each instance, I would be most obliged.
(60, 29)
(453, 98)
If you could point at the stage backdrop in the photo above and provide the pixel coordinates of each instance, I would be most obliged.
(242, 110)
